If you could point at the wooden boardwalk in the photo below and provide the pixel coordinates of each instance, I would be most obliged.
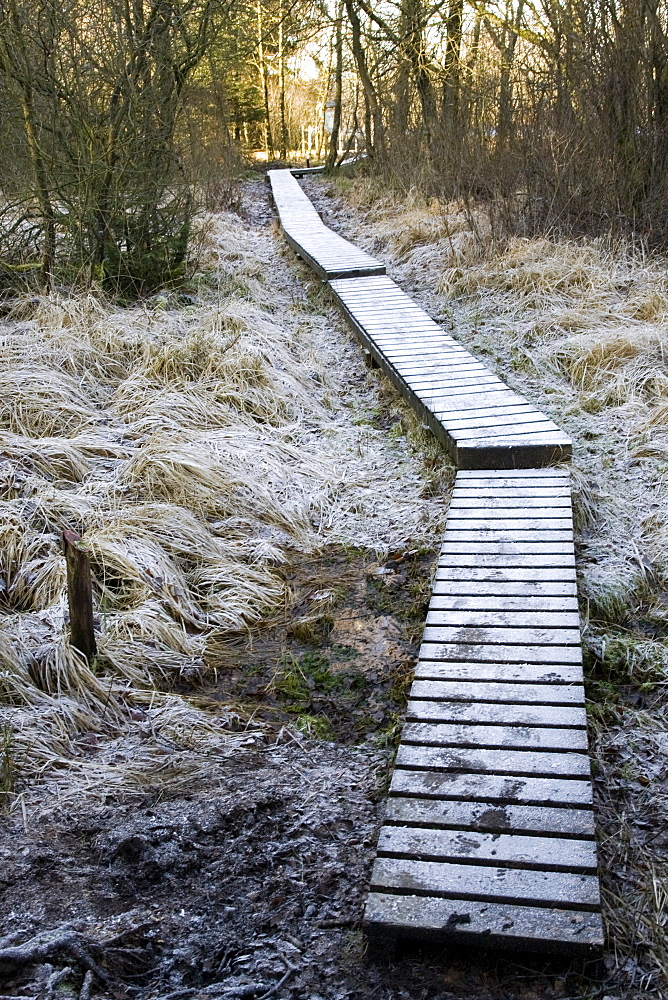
(489, 829)
(481, 422)
(488, 837)
(329, 254)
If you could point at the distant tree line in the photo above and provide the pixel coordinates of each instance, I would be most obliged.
(91, 115)
(116, 114)
(554, 110)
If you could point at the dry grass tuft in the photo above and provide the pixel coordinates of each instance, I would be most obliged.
(196, 447)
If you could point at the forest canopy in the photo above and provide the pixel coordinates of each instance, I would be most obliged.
(119, 118)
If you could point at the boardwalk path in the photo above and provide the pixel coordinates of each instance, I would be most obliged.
(489, 832)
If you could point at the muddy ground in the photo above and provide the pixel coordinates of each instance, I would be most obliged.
(249, 881)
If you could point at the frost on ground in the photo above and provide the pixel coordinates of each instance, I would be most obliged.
(581, 329)
(260, 512)
(198, 447)
(220, 451)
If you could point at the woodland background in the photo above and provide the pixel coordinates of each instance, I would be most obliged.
(118, 116)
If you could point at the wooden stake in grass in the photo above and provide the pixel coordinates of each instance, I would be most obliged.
(79, 595)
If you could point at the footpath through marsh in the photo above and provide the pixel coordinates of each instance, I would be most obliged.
(581, 329)
(196, 817)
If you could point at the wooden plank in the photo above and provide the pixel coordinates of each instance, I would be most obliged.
(434, 390)
(383, 297)
(476, 401)
(515, 532)
(494, 737)
(515, 424)
(511, 453)
(381, 307)
(453, 364)
(542, 763)
(481, 619)
(406, 334)
(494, 925)
(507, 506)
(515, 653)
(486, 635)
(455, 361)
(446, 359)
(495, 475)
(512, 427)
(380, 298)
(499, 561)
(441, 601)
(512, 849)
(415, 363)
(437, 384)
(477, 787)
(493, 712)
(469, 397)
(518, 520)
(525, 673)
(434, 353)
(521, 524)
(510, 546)
(507, 550)
(396, 356)
(496, 691)
(393, 322)
(519, 488)
(478, 652)
(399, 333)
(548, 447)
(457, 418)
(508, 585)
(497, 885)
(512, 439)
(364, 287)
(501, 575)
(494, 416)
(490, 817)
(454, 357)
(520, 499)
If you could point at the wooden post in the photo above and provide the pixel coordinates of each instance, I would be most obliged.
(79, 595)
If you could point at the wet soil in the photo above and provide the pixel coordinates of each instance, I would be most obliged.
(339, 664)
(251, 885)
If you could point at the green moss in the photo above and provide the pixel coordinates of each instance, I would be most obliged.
(6, 763)
(620, 659)
(318, 727)
(313, 631)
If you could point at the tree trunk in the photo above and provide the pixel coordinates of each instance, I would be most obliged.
(452, 78)
(338, 92)
(42, 188)
(505, 116)
(264, 83)
(471, 66)
(281, 83)
(377, 145)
